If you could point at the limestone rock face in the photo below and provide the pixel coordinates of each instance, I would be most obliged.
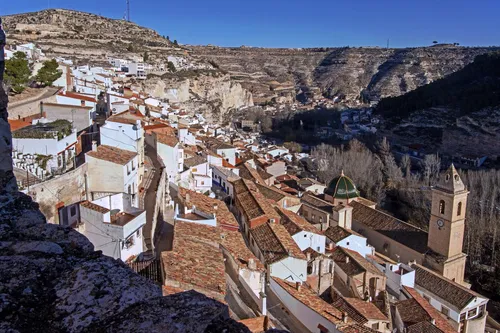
(52, 280)
(214, 95)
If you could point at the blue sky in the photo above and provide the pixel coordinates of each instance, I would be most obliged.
(293, 23)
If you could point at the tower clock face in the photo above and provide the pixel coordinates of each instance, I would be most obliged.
(440, 223)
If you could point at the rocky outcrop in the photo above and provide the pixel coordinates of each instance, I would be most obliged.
(211, 93)
(52, 280)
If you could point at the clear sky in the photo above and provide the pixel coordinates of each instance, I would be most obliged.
(293, 23)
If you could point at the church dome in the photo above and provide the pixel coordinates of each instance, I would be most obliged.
(342, 187)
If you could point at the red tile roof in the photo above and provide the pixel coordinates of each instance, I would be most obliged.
(252, 201)
(112, 154)
(77, 96)
(94, 207)
(295, 223)
(168, 140)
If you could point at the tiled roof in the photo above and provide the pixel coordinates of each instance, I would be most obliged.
(168, 140)
(440, 322)
(275, 243)
(209, 206)
(314, 201)
(112, 154)
(94, 207)
(252, 201)
(78, 96)
(272, 193)
(337, 233)
(257, 324)
(310, 299)
(231, 176)
(194, 263)
(194, 161)
(16, 124)
(367, 310)
(294, 223)
(233, 242)
(387, 225)
(356, 328)
(355, 265)
(444, 288)
(249, 173)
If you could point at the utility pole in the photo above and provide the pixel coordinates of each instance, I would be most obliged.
(128, 10)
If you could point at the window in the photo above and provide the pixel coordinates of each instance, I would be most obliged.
(309, 270)
(73, 211)
(445, 311)
(128, 170)
(138, 233)
(375, 326)
(202, 182)
(347, 243)
(129, 189)
(462, 316)
(441, 207)
(318, 248)
(133, 166)
(194, 170)
(459, 209)
(472, 313)
(129, 242)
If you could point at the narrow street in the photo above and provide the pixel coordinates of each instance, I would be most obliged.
(150, 199)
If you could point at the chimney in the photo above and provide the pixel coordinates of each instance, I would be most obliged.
(94, 145)
(251, 264)
(271, 220)
(344, 317)
(308, 255)
(188, 197)
(298, 285)
(215, 207)
(266, 323)
(346, 259)
(330, 246)
(41, 109)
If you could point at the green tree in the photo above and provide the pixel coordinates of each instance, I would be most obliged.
(171, 66)
(130, 48)
(145, 57)
(17, 72)
(175, 42)
(48, 73)
(294, 147)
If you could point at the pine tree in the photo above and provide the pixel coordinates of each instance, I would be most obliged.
(48, 73)
(17, 72)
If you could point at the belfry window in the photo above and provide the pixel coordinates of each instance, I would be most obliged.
(459, 209)
(441, 207)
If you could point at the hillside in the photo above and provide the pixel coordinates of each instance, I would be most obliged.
(351, 73)
(457, 115)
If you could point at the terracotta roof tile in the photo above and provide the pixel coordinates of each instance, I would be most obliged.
(440, 322)
(112, 154)
(78, 96)
(258, 324)
(398, 230)
(272, 192)
(355, 265)
(295, 223)
(253, 203)
(94, 207)
(275, 243)
(210, 206)
(337, 233)
(310, 299)
(444, 288)
(168, 140)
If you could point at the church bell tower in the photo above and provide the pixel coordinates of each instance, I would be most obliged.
(447, 226)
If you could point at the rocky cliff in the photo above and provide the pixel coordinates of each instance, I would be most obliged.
(52, 280)
(351, 73)
(208, 92)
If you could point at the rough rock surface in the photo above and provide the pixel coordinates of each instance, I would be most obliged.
(52, 280)
(350, 72)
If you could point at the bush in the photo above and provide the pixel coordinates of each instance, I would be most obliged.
(171, 67)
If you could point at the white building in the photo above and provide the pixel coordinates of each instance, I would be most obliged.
(112, 170)
(44, 147)
(70, 98)
(137, 69)
(172, 154)
(127, 134)
(113, 225)
(464, 308)
(277, 151)
(303, 233)
(197, 175)
(348, 239)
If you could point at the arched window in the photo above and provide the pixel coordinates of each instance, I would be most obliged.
(459, 209)
(441, 207)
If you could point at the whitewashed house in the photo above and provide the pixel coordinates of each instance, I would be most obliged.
(113, 170)
(197, 175)
(127, 134)
(302, 232)
(349, 239)
(172, 154)
(45, 147)
(113, 225)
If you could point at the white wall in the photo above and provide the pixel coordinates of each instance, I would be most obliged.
(308, 317)
(228, 154)
(173, 158)
(291, 269)
(356, 243)
(73, 101)
(305, 239)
